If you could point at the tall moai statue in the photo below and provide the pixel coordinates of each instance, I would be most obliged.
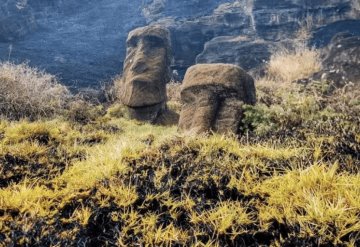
(142, 87)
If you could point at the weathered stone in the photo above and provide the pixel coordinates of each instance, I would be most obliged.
(147, 113)
(212, 97)
(341, 62)
(322, 36)
(239, 50)
(343, 54)
(146, 71)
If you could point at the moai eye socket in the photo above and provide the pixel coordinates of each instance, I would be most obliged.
(154, 41)
(132, 42)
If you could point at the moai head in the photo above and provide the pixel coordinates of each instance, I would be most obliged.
(146, 67)
(213, 96)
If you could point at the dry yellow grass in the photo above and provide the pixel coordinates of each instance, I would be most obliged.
(291, 179)
(318, 199)
(200, 191)
(290, 65)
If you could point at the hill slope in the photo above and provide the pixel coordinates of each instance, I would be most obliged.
(291, 179)
(83, 42)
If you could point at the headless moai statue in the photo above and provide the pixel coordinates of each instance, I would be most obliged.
(213, 96)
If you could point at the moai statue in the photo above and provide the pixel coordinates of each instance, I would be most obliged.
(213, 96)
(146, 71)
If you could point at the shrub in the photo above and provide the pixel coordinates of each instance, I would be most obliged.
(297, 61)
(290, 65)
(83, 112)
(117, 110)
(284, 105)
(258, 118)
(27, 92)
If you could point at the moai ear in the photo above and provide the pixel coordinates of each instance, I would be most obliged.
(186, 117)
(250, 90)
(188, 98)
(229, 116)
(204, 112)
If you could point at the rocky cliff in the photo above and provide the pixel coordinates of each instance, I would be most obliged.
(83, 41)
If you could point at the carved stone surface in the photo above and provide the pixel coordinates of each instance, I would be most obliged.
(213, 96)
(146, 71)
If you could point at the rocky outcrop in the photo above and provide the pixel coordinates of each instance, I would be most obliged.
(341, 63)
(155, 10)
(322, 36)
(239, 50)
(213, 96)
(146, 71)
(83, 41)
(275, 23)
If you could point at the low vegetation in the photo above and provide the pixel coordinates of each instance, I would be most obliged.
(26, 92)
(291, 179)
(289, 65)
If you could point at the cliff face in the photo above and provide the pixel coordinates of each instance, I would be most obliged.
(243, 32)
(83, 41)
(15, 21)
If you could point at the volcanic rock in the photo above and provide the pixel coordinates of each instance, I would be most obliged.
(146, 71)
(341, 63)
(83, 41)
(213, 96)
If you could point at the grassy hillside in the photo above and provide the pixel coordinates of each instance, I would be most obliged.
(291, 179)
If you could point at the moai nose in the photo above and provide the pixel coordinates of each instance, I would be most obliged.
(141, 48)
(139, 64)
